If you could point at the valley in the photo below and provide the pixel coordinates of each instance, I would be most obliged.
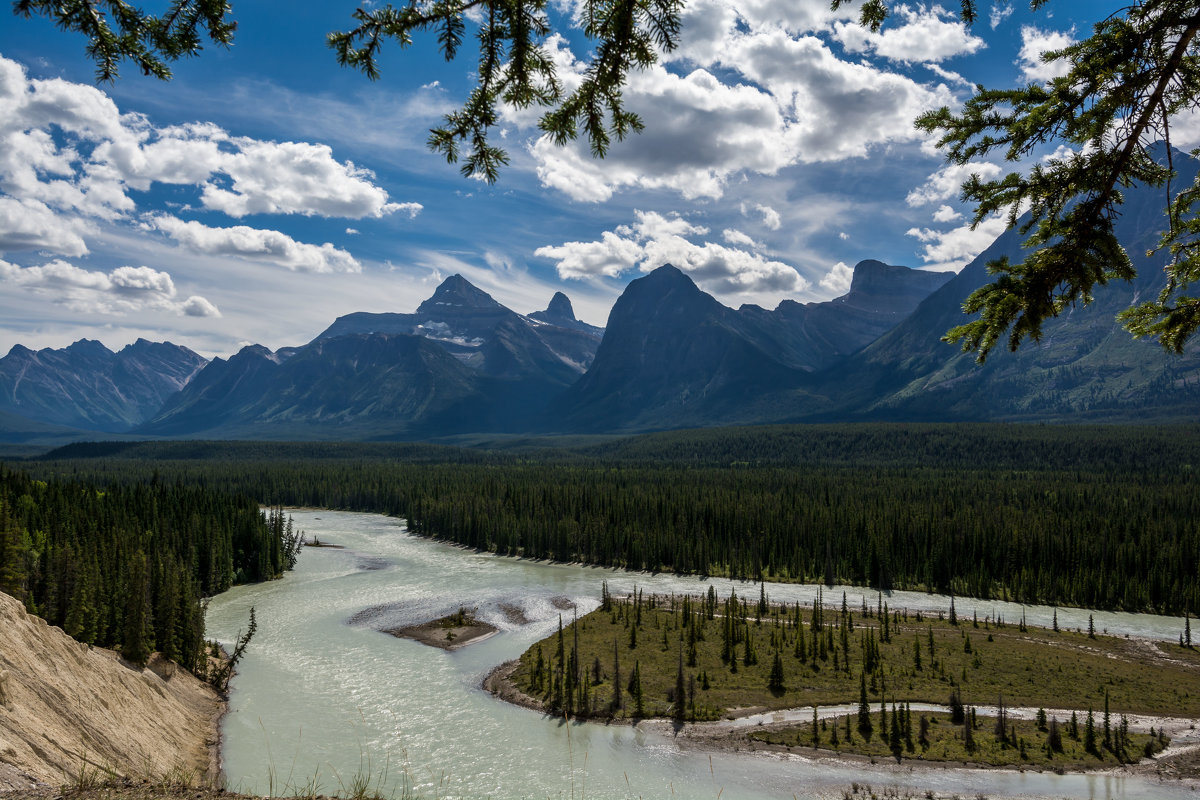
(666, 399)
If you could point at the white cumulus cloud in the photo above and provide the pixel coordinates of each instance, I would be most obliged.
(999, 13)
(255, 244)
(770, 217)
(293, 178)
(735, 237)
(654, 240)
(31, 225)
(838, 278)
(1035, 42)
(124, 290)
(925, 34)
(765, 98)
(948, 181)
(953, 249)
(946, 214)
(70, 157)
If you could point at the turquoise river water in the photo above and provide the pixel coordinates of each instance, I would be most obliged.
(318, 701)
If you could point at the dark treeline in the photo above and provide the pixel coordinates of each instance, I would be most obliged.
(127, 565)
(1098, 517)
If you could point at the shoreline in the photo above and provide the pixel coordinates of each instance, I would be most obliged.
(1180, 760)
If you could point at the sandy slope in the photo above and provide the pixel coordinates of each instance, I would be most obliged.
(66, 707)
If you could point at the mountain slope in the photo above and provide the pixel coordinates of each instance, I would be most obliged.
(673, 356)
(486, 335)
(362, 386)
(87, 386)
(461, 363)
(812, 336)
(1087, 367)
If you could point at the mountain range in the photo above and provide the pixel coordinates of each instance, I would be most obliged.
(670, 356)
(88, 387)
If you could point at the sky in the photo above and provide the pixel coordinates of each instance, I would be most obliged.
(264, 190)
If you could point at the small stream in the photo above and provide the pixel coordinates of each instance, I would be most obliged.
(318, 701)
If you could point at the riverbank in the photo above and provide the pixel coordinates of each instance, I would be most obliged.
(72, 713)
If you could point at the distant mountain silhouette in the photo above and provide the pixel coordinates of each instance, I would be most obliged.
(88, 386)
(673, 356)
(461, 362)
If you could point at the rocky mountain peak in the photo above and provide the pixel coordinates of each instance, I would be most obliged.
(456, 292)
(560, 308)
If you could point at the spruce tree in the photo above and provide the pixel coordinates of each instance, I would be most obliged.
(635, 689)
(135, 640)
(616, 704)
(679, 710)
(864, 710)
(1108, 741)
(775, 682)
(1054, 737)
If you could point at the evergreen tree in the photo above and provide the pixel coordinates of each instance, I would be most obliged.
(1119, 90)
(1108, 740)
(616, 704)
(135, 640)
(1054, 737)
(776, 681)
(679, 711)
(895, 737)
(956, 707)
(635, 691)
(864, 710)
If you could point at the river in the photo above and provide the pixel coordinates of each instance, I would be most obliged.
(318, 701)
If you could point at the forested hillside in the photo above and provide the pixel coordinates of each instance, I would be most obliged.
(1089, 516)
(126, 565)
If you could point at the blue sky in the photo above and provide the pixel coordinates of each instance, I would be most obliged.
(265, 190)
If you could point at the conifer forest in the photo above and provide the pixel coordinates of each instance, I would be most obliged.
(1101, 517)
(128, 565)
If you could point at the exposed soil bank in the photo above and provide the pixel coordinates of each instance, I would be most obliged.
(68, 709)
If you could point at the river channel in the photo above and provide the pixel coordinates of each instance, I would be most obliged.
(318, 701)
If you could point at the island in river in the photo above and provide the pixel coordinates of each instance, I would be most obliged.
(448, 633)
(875, 682)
